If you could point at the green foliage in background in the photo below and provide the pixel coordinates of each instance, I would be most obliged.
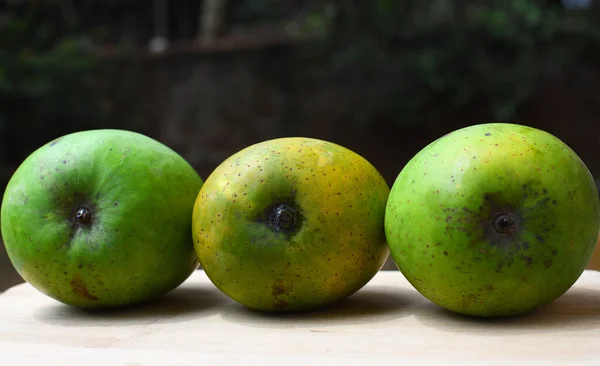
(47, 82)
(402, 57)
(458, 52)
(52, 80)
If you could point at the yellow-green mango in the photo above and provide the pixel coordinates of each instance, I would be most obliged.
(291, 224)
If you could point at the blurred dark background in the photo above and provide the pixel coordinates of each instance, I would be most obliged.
(210, 77)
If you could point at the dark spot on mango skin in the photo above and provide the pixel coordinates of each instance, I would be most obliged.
(489, 288)
(54, 142)
(470, 297)
(482, 224)
(528, 260)
(465, 220)
(280, 304)
(283, 208)
(80, 289)
(279, 288)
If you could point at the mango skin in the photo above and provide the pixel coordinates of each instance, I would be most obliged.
(139, 244)
(340, 241)
(439, 219)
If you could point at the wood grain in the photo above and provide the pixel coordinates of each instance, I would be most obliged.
(386, 321)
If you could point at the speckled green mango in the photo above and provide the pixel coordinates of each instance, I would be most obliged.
(291, 224)
(101, 219)
(493, 220)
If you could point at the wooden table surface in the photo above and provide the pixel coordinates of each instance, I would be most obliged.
(385, 322)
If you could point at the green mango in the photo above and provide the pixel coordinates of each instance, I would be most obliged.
(101, 219)
(491, 220)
